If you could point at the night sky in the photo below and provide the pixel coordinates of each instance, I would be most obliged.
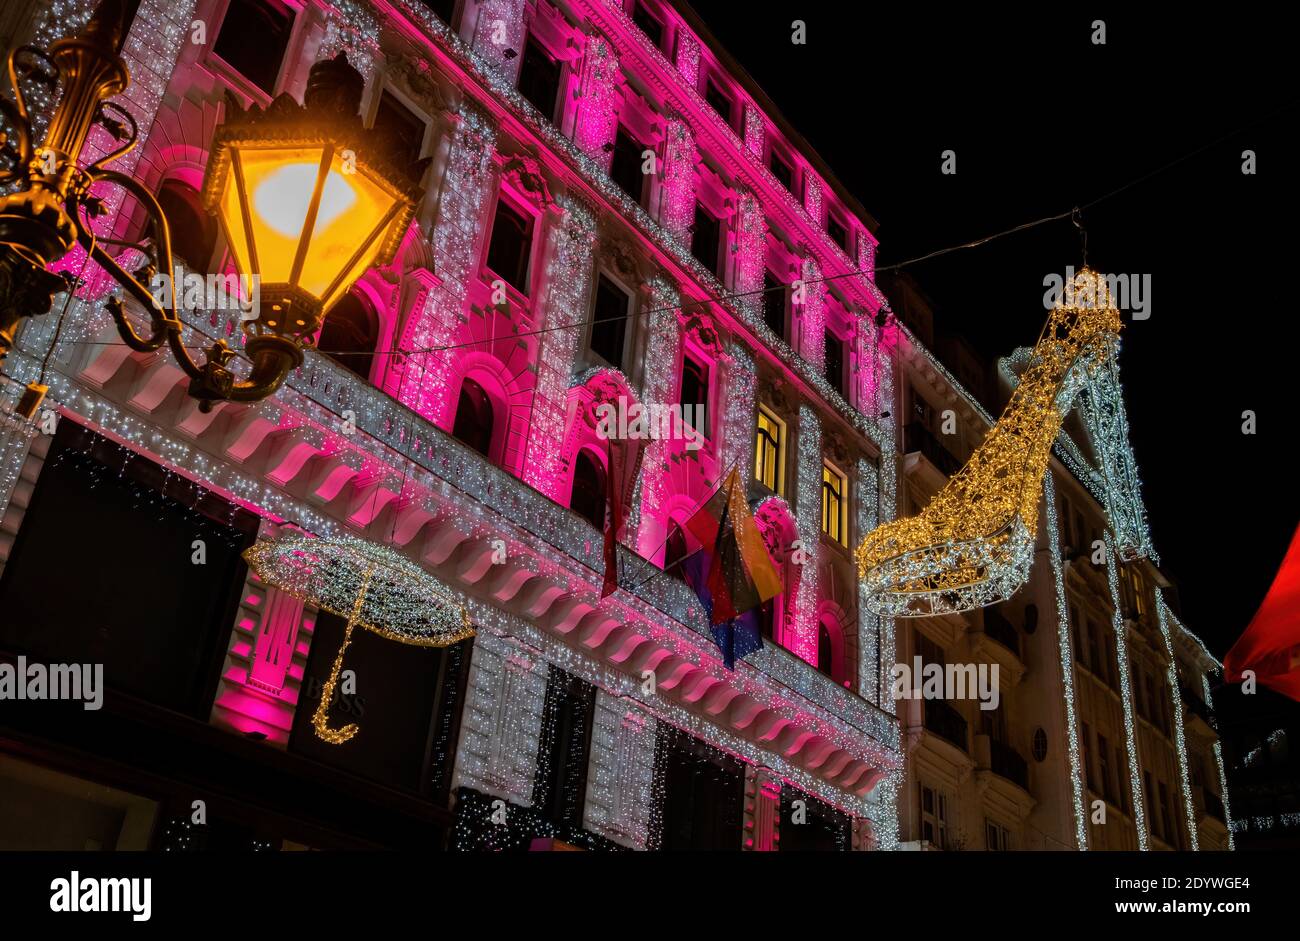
(1042, 120)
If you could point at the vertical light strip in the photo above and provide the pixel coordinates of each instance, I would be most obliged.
(1223, 787)
(1177, 694)
(869, 665)
(1067, 665)
(1126, 693)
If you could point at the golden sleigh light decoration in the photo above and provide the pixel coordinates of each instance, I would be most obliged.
(973, 544)
(374, 587)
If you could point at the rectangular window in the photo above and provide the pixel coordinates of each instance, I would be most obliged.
(834, 504)
(402, 129)
(773, 303)
(253, 39)
(839, 235)
(1094, 651)
(769, 451)
(648, 24)
(442, 9)
(934, 817)
(695, 391)
(997, 836)
(609, 321)
(539, 78)
(782, 170)
(701, 805)
(835, 362)
(1080, 633)
(511, 245)
(706, 238)
(718, 99)
(1112, 658)
(625, 169)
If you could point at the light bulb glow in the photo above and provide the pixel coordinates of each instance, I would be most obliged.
(283, 198)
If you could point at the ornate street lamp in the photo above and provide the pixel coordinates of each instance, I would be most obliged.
(304, 193)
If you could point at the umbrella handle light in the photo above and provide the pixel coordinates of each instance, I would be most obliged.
(320, 719)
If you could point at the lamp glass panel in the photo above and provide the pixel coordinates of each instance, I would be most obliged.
(279, 184)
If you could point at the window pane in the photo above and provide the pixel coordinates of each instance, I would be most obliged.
(512, 239)
(626, 167)
(609, 321)
(402, 129)
(254, 36)
(774, 304)
(539, 78)
(705, 237)
(695, 391)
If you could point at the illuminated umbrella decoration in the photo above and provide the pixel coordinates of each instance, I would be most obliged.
(372, 586)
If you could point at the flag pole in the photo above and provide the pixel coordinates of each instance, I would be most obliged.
(646, 563)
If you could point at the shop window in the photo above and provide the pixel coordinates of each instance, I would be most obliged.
(824, 829)
(701, 804)
(560, 786)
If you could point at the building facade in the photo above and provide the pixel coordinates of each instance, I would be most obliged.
(613, 213)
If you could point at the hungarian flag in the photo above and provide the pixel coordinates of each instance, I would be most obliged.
(1270, 645)
(732, 574)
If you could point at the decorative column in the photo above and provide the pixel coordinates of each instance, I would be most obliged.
(812, 317)
(499, 36)
(755, 131)
(663, 346)
(569, 249)
(738, 414)
(812, 197)
(433, 323)
(801, 636)
(869, 660)
(751, 252)
(762, 820)
(502, 722)
(688, 58)
(677, 176)
(596, 123)
(620, 772)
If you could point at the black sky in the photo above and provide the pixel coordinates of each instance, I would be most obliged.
(1042, 120)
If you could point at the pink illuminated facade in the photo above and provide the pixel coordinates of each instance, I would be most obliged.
(610, 213)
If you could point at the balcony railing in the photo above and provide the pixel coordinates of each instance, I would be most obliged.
(946, 722)
(1000, 629)
(917, 437)
(1006, 762)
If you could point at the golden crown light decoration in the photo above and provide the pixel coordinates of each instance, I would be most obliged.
(973, 544)
(374, 587)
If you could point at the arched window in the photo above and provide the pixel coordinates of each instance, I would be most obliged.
(474, 417)
(825, 652)
(193, 231)
(350, 334)
(588, 498)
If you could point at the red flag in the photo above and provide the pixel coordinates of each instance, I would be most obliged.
(614, 514)
(1270, 645)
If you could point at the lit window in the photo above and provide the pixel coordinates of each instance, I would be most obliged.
(769, 451)
(834, 505)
